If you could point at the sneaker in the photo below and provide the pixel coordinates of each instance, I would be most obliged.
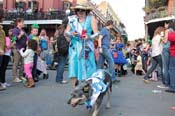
(23, 78)
(5, 85)
(8, 85)
(2, 88)
(162, 86)
(17, 80)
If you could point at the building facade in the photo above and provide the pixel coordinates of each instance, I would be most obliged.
(156, 13)
(109, 14)
(52, 13)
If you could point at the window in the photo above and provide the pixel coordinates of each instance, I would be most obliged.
(33, 5)
(20, 6)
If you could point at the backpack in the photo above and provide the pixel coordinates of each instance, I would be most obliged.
(62, 45)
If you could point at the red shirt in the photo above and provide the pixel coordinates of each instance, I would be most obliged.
(171, 38)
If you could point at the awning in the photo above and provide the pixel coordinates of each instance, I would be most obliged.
(161, 19)
(44, 22)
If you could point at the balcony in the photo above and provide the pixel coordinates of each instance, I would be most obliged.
(58, 15)
(161, 12)
(157, 3)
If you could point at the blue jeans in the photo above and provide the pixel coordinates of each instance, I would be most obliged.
(172, 72)
(166, 60)
(144, 59)
(106, 55)
(155, 60)
(62, 59)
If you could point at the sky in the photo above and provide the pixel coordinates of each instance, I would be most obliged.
(131, 14)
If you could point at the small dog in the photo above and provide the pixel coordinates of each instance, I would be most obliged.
(85, 90)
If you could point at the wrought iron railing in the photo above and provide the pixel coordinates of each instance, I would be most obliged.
(158, 13)
(35, 16)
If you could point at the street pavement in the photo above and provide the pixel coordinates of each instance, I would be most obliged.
(131, 97)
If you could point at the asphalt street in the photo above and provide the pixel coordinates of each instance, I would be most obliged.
(131, 97)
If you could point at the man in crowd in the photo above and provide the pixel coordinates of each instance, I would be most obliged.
(104, 46)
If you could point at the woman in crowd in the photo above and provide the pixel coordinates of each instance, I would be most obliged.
(170, 36)
(156, 54)
(6, 58)
(43, 38)
(2, 48)
(81, 51)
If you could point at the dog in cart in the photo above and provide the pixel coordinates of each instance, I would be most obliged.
(91, 92)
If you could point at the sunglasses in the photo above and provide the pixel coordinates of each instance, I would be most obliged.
(80, 10)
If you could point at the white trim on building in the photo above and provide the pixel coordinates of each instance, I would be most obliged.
(161, 19)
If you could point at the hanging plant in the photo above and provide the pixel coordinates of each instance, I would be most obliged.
(157, 3)
(146, 9)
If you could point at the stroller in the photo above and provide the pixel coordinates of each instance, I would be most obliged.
(42, 68)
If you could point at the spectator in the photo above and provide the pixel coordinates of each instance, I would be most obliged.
(6, 59)
(156, 55)
(28, 61)
(104, 50)
(166, 55)
(2, 48)
(43, 43)
(62, 57)
(120, 59)
(139, 63)
(170, 36)
(34, 36)
(21, 39)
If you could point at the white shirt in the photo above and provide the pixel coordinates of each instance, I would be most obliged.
(156, 46)
(28, 56)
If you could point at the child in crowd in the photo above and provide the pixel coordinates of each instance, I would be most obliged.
(34, 33)
(118, 55)
(139, 64)
(28, 61)
(33, 36)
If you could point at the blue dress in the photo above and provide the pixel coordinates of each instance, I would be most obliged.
(119, 59)
(81, 52)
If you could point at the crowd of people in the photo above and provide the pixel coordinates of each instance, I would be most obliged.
(74, 42)
(86, 49)
(154, 58)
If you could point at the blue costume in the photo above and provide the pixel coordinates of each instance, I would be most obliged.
(81, 52)
(119, 59)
